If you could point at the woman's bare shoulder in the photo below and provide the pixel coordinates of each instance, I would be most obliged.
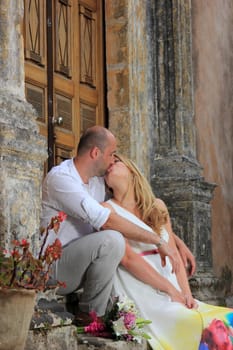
(160, 204)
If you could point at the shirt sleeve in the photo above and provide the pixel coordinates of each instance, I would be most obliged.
(93, 216)
(66, 195)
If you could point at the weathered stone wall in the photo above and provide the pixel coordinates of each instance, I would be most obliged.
(212, 27)
(129, 80)
(11, 53)
(22, 149)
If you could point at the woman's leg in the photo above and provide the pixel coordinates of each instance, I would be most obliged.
(90, 262)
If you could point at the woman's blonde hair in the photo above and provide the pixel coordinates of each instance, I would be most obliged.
(145, 199)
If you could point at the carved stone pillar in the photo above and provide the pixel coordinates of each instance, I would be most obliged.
(177, 174)
(129, 79)
(22, 150)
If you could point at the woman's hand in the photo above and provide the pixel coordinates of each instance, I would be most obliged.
(186, 299)
(166, 250)
(190, 302)
(177, 296)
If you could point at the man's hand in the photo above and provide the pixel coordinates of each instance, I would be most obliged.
(186, 255)
(165, 250)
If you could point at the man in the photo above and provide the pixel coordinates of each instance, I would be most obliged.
(92, 235)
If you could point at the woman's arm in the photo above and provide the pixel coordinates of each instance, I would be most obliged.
(181, 273)
(142, 270)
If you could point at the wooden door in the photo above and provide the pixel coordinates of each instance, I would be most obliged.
(64, 70)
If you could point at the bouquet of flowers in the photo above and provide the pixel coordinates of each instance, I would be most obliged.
(122, 322)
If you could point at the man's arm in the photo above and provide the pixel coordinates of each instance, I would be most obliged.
(137, 233)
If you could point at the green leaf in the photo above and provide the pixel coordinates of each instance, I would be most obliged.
(145, 336)
(80, 330)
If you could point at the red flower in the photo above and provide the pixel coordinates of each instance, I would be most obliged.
(62, 216)
(216, 336)
(24, 243)
(15, 254)
(53, 251)
(15, 243)
(56, 220)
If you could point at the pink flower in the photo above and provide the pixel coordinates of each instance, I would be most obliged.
(217, 336)
(129, 320)
(96, 327)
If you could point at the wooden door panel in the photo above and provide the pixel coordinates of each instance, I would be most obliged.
(35, 74)
(91, 64)
(35, 31)
(65, 85)
(87, 18)
(64, 78)
(62, 35)
(36, 96)
(64, 69)
(88, 115)
(35, 59)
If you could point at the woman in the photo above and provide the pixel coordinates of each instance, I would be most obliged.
(179, 322)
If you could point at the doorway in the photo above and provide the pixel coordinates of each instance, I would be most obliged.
(64, 70)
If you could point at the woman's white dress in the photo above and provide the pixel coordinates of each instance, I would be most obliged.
(173, 327)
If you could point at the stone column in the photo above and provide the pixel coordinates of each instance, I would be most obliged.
(129, 80)
(177, 174)
(22, 149)
(117, 71)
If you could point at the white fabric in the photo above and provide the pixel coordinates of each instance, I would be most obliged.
(153, 260)
(173, 327)
(64, 190)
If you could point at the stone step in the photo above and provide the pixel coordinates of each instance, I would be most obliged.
(52, 329)
(66, 338)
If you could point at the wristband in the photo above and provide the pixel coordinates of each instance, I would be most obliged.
(161, 242)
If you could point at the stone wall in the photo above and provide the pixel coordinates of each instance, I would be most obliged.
(212, 27)
(129, 80)
(22, 149)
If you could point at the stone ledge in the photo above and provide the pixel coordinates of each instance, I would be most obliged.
(56, 338)
(87, 342)
(66, 338)
(50, 313)
(52, 329)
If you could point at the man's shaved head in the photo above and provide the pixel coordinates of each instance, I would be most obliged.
(95, 136)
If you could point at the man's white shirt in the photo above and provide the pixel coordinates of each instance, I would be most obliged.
(64, 190)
